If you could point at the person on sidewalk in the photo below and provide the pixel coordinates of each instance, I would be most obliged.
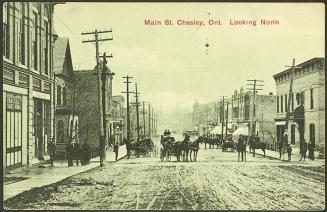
(116, 147)
(304, 150)
(69, 154)
(52, 150)
(311, 150)
(280, 147)
(289, 152)
(85, 153)
(76, 152)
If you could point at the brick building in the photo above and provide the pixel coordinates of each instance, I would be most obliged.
(27, 82)
(307, 119)
(87, 106)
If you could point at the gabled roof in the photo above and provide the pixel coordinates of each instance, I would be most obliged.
(62, 56)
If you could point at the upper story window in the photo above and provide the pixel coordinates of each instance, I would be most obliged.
(286, 103)
(6, 30)
(277, 104)
(46, 49)
(35, 41)
(64, 96)
(311, 98)
(58, 95)
(21, 45)
(281, 104)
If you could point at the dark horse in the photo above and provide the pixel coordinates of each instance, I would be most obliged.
(254, 143)
(181, 148)
(213, 141)
(194, 148)
(241, 148)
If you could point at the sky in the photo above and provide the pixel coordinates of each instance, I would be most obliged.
(172, 65)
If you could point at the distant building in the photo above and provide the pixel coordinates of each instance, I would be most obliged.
(28, 111)
(237, 111)
(66, 118)
(116, 119)
(307, 119)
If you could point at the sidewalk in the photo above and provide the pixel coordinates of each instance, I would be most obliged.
(294, 158)
(38, 177)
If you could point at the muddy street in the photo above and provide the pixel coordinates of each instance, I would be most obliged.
(215, 181)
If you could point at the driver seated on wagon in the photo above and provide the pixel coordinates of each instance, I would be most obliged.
(165, 138)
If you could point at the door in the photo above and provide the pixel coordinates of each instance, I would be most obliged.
(14, 130)
(38, 129)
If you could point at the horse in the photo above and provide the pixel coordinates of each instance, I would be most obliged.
(213, 142)
(241, 149)
(181, 148)
(256, 144)
(194, 148)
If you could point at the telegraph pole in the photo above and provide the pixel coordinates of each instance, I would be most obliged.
(149, 109)
(254, 91)
(143, 108)
(152, 118)
(289, 100)
(127, 101)
(226, 119)
(222, 113)
(137, 112)
(100, 102)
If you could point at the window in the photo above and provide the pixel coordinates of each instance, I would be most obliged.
(286, 109)
(281, 104)
(277, 104)
(292, 101)
(46, 50)
(6, 31)
(311, 98)
(293, 134)
(64, 96)
(312, 133)
(34, 42)
(22, 36)
(58, 95)
(14, 102)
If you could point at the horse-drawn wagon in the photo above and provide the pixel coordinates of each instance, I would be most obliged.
(143, 147)
(228, 144)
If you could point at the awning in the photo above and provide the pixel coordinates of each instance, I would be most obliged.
(278, 123)
(216, 130)
(241, 131)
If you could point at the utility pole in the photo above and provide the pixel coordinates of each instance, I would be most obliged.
(290, 96)
(149, 109)
(226, 120)
(100, 101)
(222, 113)
(254, 91)
(143, 108)
(152, 118)
(137, 111)
(127, 101)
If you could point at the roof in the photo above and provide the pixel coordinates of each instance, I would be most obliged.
(302, 65)
(62, 55)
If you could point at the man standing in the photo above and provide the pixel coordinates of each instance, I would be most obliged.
(77, 151)
(69, 154)
(304, 150)
(116, 147)
(289, 152)
(52, 150)
(311, 150)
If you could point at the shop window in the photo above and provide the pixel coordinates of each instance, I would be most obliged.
(293, 134)
(277, 104)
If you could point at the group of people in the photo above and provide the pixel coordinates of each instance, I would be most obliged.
(284, 145)
(74, 151)
(79, 153)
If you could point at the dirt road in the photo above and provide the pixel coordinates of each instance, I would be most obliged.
(216, 181)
